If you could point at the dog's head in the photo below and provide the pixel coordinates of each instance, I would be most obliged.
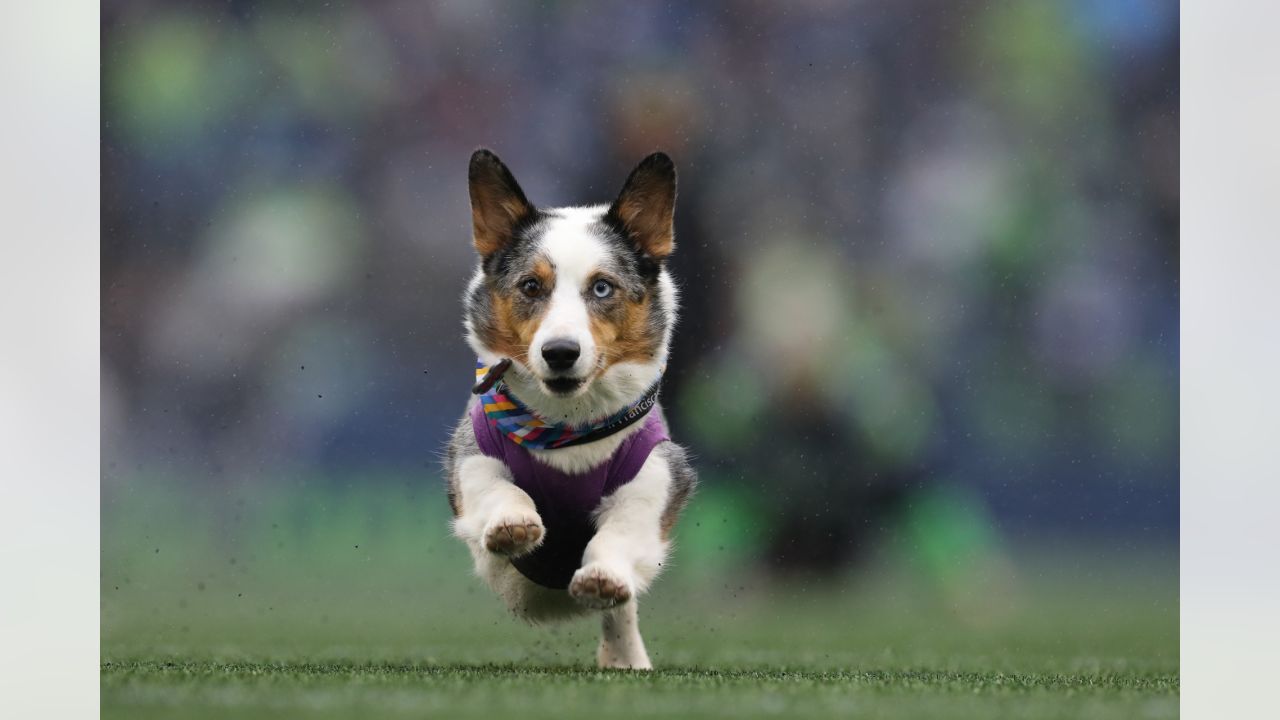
(578, 298)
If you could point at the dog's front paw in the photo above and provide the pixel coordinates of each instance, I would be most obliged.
(596, 586)
(514, 535)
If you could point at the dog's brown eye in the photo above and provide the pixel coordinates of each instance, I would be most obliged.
(530, 287)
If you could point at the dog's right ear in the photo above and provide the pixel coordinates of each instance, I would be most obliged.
(498, 204)
(646, 207)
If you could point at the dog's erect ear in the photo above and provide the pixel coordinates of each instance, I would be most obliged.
(646, 207)
(498, 204)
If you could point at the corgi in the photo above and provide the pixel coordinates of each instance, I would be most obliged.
(562, 479)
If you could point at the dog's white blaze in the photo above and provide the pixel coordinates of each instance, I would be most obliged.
(576, 253)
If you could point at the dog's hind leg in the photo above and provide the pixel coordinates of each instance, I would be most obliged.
(620, 643)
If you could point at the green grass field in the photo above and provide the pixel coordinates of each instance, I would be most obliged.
(356, 604)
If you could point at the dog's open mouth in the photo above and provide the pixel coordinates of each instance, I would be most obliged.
(562, 385)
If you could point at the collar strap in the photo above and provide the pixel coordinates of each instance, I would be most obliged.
(628, 417)
(486, 378)
(525, 428)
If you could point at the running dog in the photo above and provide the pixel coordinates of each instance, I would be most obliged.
(562, 479)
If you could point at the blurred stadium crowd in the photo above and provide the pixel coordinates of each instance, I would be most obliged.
(927, 249)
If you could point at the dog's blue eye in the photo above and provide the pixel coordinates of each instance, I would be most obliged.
(602, 288)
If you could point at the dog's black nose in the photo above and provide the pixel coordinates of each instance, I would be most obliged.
(560, 354)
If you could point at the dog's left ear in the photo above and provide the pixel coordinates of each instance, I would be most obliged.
(498, 204)
(646, 207)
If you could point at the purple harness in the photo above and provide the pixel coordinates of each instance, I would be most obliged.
(565, 502)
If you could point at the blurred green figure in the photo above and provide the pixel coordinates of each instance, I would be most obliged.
(812, 413)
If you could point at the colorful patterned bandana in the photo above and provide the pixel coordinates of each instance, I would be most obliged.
(523, 427)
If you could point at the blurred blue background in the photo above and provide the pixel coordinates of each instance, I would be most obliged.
(928, 253)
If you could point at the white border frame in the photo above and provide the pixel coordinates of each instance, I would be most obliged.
(49, 192)
(1230, 450)
(1230, 407)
